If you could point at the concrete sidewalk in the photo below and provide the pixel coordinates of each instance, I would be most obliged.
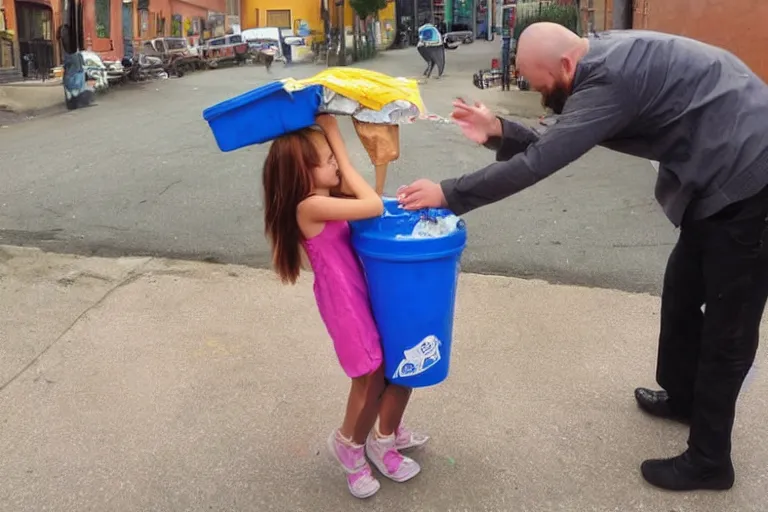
(141, 384)
(31, 96)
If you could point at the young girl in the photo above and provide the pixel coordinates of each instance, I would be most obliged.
(303, 174)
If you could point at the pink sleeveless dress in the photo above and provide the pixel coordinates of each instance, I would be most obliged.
(342, 299)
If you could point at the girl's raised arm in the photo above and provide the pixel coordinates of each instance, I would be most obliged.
(366, 203)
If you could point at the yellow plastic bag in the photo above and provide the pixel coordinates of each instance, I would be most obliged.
(371, 89)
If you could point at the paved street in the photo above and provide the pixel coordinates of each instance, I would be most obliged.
(140, 174)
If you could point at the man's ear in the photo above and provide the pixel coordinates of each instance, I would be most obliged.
(567, 65)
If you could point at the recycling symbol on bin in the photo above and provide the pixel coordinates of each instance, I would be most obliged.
(420, 358)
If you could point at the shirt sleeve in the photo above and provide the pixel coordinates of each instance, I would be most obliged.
(515, 137)
(592, 114)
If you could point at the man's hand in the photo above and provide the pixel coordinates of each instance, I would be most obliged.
(477, 122)
(421, 194)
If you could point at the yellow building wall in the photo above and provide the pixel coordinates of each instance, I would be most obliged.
(387, 13)
(387, 20)
(308, 10)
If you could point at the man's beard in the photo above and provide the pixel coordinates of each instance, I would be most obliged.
(555, 100)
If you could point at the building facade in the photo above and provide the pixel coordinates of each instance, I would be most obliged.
(10, 69)
(306, 16)
(27, 38)
(113, 27)
(738, 26)
(476, 16)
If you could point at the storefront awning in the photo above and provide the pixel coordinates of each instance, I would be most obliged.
(45, 3)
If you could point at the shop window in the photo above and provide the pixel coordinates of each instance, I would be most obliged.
(34, 23)
(279, 19)
(103, 13)
(176, 25)
(159, 26)
(144, 23)
(215, 24)
(233, 7)
(462, 15)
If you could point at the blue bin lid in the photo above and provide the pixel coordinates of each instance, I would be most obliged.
(378, 237)
(252, 96)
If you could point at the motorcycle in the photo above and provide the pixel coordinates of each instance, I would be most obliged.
(142, 67)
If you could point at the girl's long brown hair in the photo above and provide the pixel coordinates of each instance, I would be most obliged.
(287, 181)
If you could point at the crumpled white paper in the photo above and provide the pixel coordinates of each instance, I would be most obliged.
(396, 112)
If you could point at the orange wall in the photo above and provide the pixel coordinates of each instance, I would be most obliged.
(113, 47)
(197, 8)
(10, 14)
(308, 10)
(10, 24)
(110, 48)
(736, 25)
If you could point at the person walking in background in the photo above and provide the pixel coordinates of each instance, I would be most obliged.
(703, 114)
(431, 48)
(303, 173)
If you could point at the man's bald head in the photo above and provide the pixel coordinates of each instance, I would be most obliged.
(547, 55)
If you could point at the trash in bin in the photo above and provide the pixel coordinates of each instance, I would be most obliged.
(416, 332)
(432, 227)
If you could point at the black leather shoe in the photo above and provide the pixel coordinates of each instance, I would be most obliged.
(657, 403)
(683, 473)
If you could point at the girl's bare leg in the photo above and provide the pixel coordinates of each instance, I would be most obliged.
(382, 449)
(393, 404)
(363, 406)
(347, 444)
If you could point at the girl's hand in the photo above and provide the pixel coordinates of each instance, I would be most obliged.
(327, 122)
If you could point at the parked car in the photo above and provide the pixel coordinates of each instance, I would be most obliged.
(231, 48)
(175, 53)
(279, 40)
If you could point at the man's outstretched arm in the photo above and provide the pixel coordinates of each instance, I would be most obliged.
(514, 139)
(593, 114)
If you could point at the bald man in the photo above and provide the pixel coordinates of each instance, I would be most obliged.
(703, 114)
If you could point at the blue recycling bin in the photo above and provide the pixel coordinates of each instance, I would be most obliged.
(412, 284)
(262, 114)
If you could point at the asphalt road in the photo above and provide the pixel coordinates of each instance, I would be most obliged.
(140, 174)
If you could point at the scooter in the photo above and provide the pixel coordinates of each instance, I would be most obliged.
(143, 67)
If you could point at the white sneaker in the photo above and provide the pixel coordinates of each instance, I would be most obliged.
(406, 439)
(360, 479)
(390, 462)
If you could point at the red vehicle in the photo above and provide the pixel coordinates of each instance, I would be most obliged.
(229, 48)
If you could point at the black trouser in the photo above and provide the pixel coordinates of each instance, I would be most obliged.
(434, 55)
(721, 262)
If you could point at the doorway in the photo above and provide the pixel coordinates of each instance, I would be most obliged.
(34, 23)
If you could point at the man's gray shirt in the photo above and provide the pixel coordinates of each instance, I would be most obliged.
(697, 109)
